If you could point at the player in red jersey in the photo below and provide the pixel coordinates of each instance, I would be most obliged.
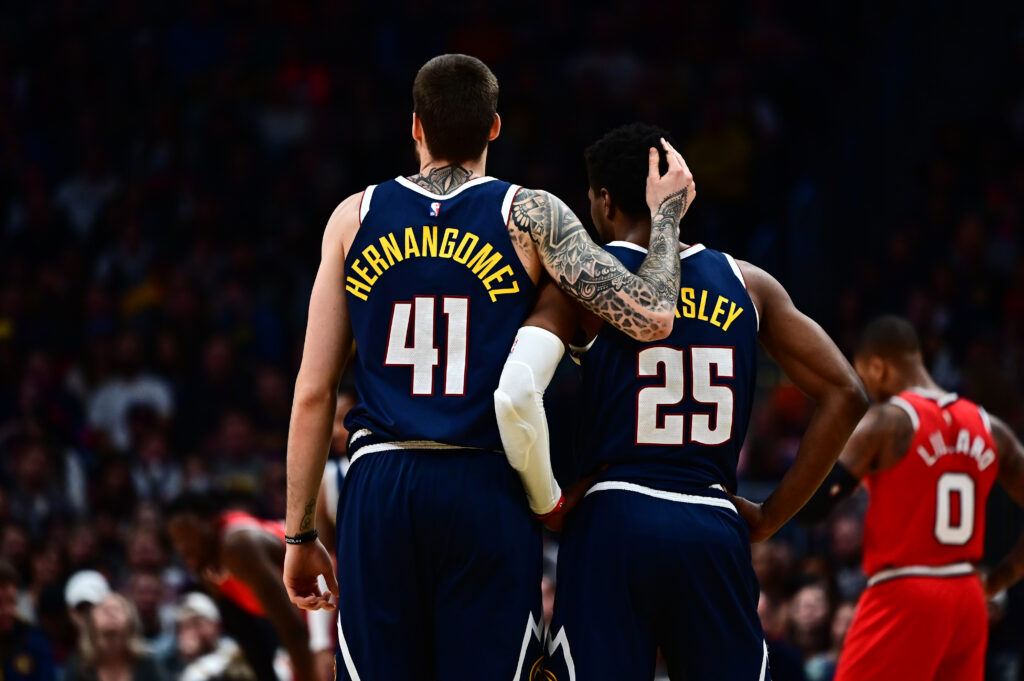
(239, 558)
(928, 459)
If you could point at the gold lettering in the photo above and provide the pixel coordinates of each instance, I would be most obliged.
(448, 242)
(362, 272)
(354, 285)
(430, 241)
(734, 312)
(481, 264)
(703, 300)
(372, 256)
(391, 249)
(686, 295)
(412, 247)
(497, 276)
(719, 310)
(465, 248)
(500, 291)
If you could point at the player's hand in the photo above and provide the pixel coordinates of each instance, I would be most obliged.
(572, 496)
(303, 564)
(753, 514)
(678, 180)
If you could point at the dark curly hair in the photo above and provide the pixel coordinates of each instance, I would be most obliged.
(618, 162)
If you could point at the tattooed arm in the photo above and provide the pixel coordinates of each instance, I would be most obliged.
(642, 304)
(328, 340)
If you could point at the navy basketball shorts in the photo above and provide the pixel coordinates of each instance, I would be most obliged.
(439, 565)
(641, 569)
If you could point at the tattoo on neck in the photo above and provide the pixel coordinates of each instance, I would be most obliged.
(443, 180)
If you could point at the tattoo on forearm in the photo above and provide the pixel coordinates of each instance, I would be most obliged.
(663, 271)
(308, 516)
(443, 180)
(591, 274)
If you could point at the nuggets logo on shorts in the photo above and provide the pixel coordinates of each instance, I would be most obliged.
(538, 673)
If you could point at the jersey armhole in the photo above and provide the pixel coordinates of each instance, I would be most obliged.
(908, 408)
(364, 202)
(506, 204)
(985, 420)
(739, 275)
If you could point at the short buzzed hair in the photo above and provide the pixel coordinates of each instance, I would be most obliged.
(890, 336)
(455, 97)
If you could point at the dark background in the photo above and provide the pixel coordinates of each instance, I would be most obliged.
(166, 170)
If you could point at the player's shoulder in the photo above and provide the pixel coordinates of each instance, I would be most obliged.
(535, 209)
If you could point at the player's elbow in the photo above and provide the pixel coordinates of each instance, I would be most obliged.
(513, 400)
(311, 395)
(658, 327)
(851, 400)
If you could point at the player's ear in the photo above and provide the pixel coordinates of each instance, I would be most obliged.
(495, 128)
(607, 206)
(417, 128)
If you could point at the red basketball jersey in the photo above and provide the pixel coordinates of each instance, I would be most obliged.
(929, 509)
(231, 587)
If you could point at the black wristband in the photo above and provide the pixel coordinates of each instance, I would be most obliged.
(303, 538)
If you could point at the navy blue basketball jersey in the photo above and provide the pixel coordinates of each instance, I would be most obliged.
(673, 413)
(436, 294)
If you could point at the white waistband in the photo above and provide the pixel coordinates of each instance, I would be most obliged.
(393, 446)
(662, 494)
(951, 570)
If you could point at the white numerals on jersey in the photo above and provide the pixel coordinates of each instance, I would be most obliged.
(650, 399)
(701, 361)
(963, 486)
(422, 356)
(648, 432)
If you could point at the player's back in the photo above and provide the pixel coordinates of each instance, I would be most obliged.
(927, 513)
(436, 293)
(673, 414)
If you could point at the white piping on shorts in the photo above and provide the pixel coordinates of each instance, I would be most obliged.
(345, 654)
(662, 494)
(951, 570)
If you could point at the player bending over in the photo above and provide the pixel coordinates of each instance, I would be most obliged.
(432, 275)
(928, 459)
(656, 555)
(238, 558)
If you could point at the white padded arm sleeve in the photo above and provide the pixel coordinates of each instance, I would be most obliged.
(519, 406)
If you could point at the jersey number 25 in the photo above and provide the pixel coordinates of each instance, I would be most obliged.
(706, 428)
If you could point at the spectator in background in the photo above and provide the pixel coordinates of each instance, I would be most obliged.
(203, 654)
(82, 593)
(786, 662)
(146, 590)
(25, 653)
(810, 620)
(111, 402)
(111, 647)
(37, 496)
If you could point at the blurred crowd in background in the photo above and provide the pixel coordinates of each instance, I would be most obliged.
(166, 170)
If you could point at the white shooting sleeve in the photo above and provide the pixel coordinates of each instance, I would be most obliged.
(519, 406)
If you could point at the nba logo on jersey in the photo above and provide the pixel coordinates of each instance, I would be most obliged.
(435, 209)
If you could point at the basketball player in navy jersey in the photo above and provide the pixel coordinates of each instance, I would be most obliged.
(657, 555)
(432, 276)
